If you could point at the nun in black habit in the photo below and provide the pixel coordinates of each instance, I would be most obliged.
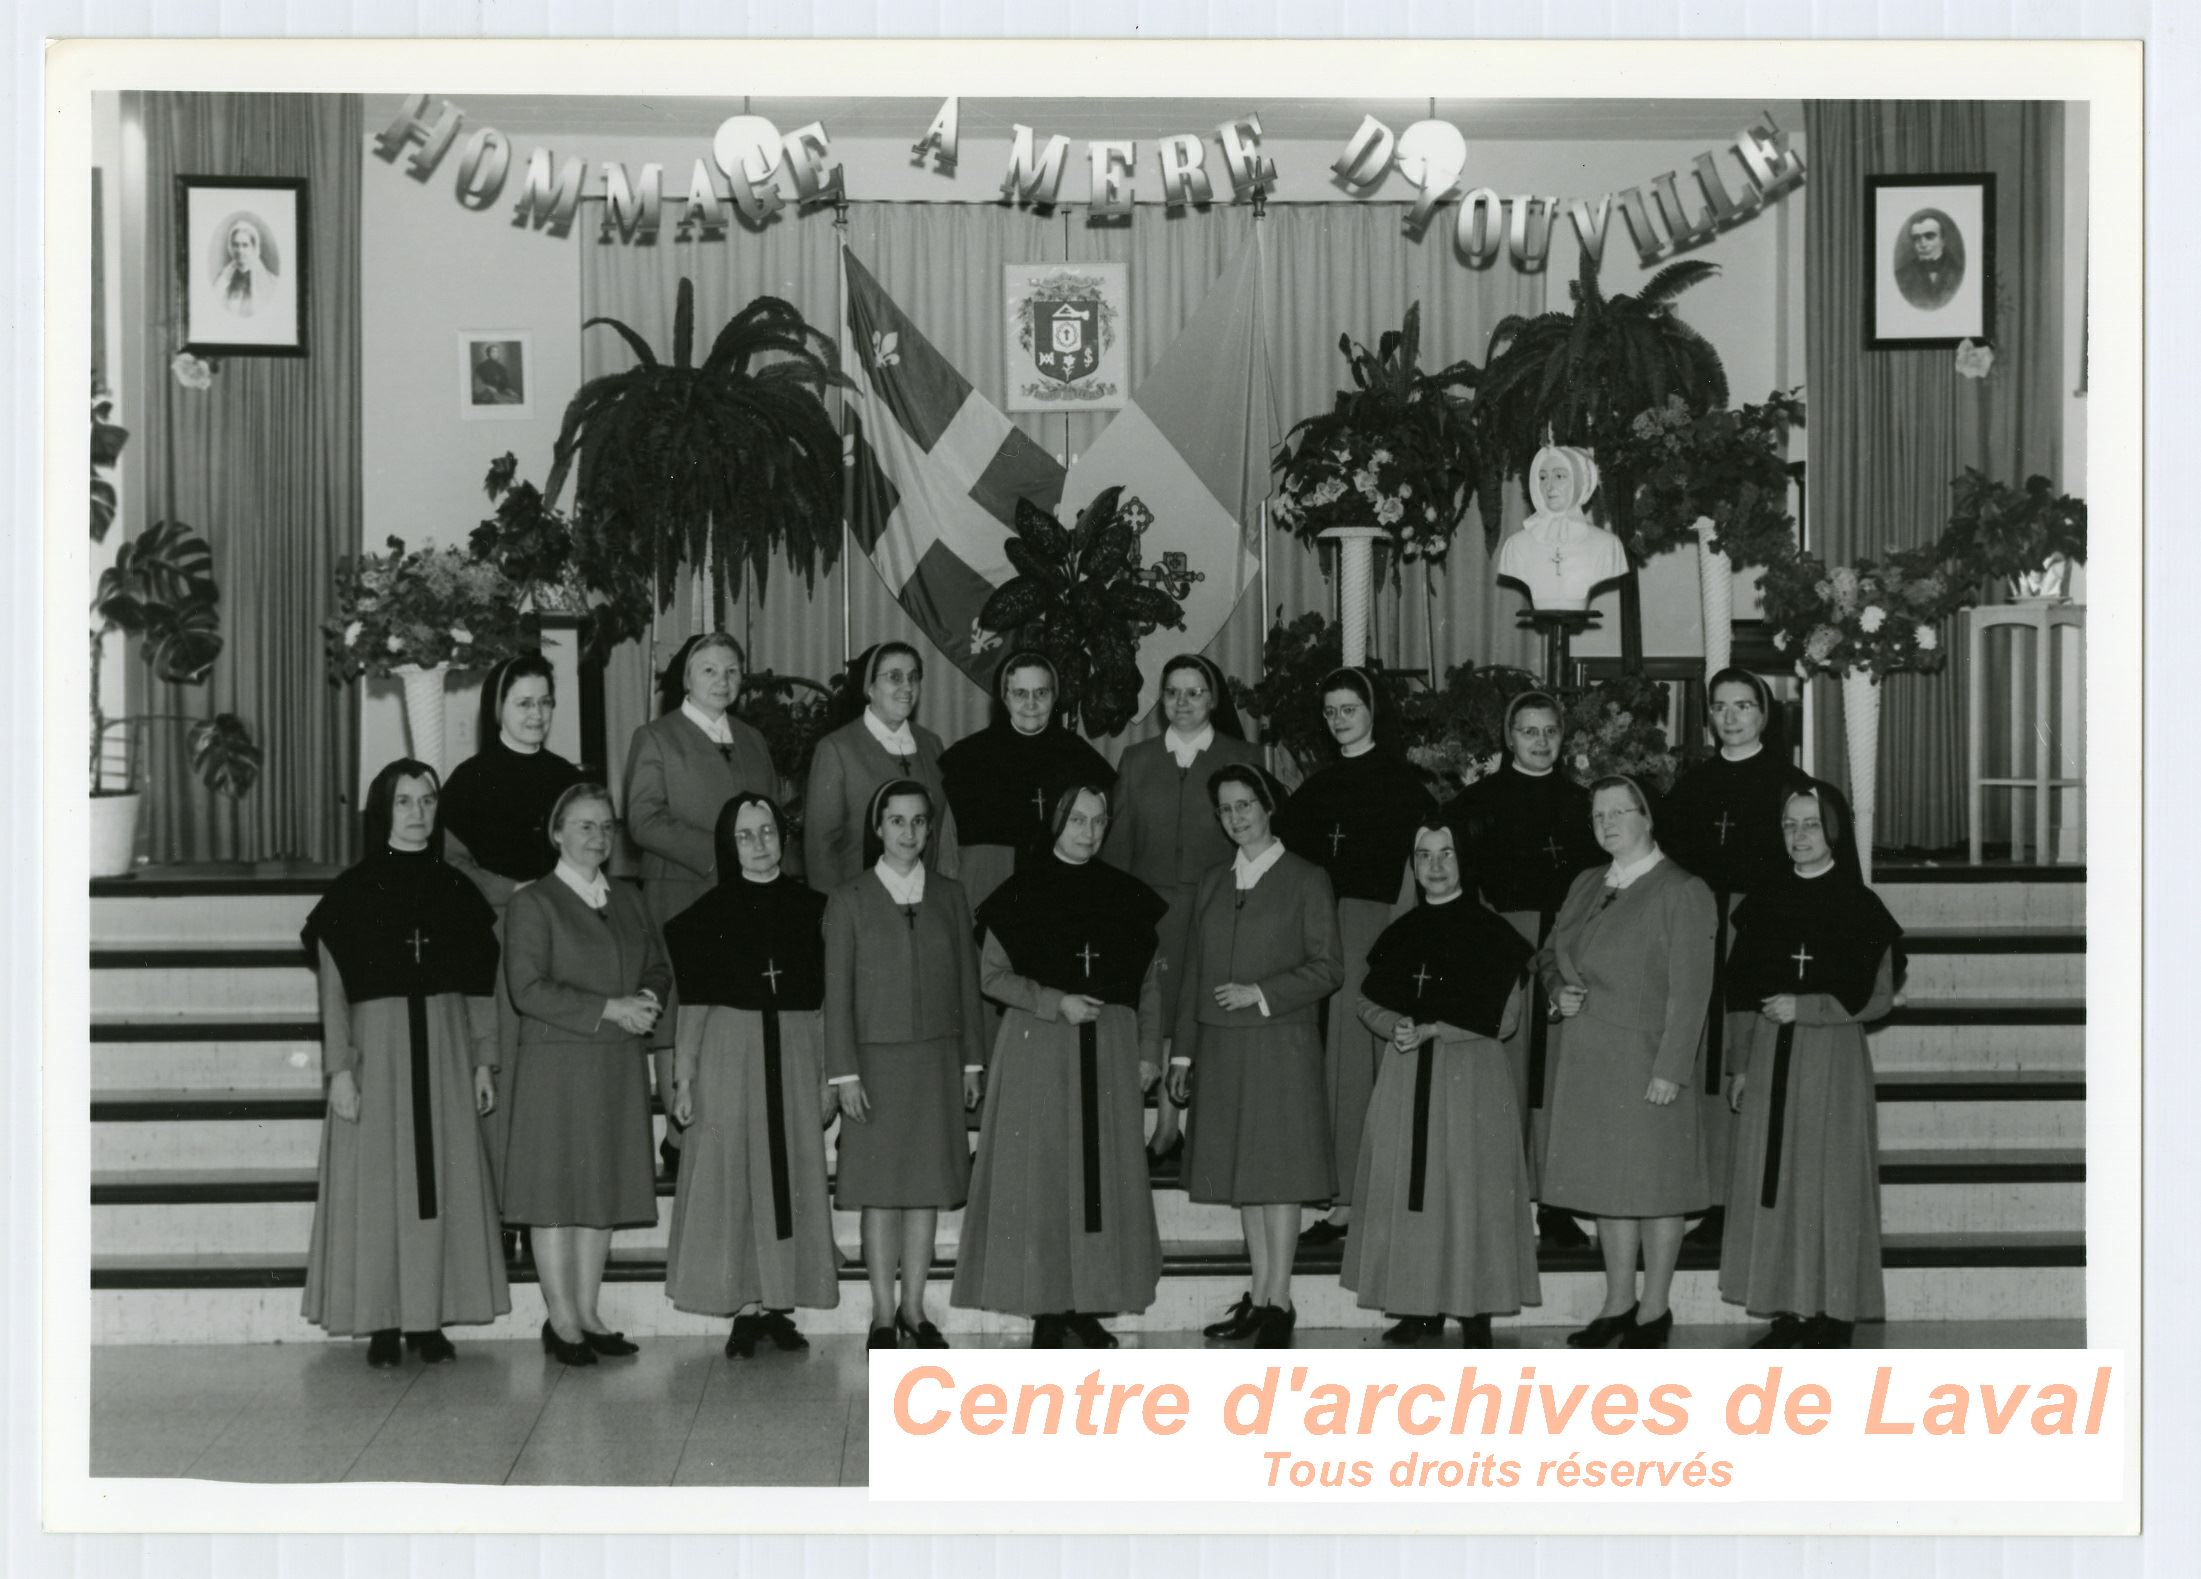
(405, 1219)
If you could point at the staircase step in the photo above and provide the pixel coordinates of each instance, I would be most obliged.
(2040, 897)
(1985, 1049)
(205, 1027)
(271, 987)
(137, 913)
(206, 1066)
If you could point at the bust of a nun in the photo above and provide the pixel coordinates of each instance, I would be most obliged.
(1559, 553)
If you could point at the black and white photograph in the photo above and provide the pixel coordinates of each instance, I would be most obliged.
(1932, 260)
(1394, 840)
(242, 245)
(494, 368)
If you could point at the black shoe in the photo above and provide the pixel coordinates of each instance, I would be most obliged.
(922, 1334)
(1824, 1332)
(882, 1338)
(385, 1349)
(1051, 1332)
(785, 1335)
(1650, 1334)
(741, 1342)
(612, 1345)
(1557, 1230)
(1475, 1332)
(1326, 1232)
(1238, 1322)
(1168, 1162)
(1089, 1330)
(1275, 1331)
(563, 1352)
(668, 1155)
(1414, 1329)
(1710, 1231)
(1787, 1332)
(432, 1347)
(1604, 1332)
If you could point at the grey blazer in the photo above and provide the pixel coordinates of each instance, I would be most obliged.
(677, 784)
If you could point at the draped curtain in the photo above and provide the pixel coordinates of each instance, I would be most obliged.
(1892, 429)
(265, 464)
(1326, 269)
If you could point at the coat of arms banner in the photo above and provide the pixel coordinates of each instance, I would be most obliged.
(1066, 339)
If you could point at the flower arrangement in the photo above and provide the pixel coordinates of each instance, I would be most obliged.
(1619, 726)
(1996, 530)
(427, 607)
(1287, 701)
(1880, 617)
(1730, 466)
(560, 563)
(1396, 451)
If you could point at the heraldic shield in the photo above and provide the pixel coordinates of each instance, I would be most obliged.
(1068, 347)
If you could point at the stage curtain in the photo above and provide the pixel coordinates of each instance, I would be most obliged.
(1327, 269)
(266, 465)
(1890, 430)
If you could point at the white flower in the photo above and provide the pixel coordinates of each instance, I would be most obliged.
(1780, 641)
(1873, 618)
(1406, 490)
(1974, 361)
(1389, 511)
(1365, 480)
(191, 372)
(461, 635)
(1928, 638)
(1429, 513)
(351, 633)
(395, 644)
(1380, 456)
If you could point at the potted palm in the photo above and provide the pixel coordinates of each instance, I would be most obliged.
(160, 590)
(1395, 457)
(717, 464)
(1583, 377)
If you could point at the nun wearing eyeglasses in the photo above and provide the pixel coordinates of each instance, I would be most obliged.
(883, 743)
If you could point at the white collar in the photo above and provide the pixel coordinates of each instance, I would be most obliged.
(898, 740)
(1246, 873)
(595, 894)
(1618, 876)
(1361, 750)
(748, 876)
(1065, 860)
(1186, 747)
(1821, 872)
(514, 746)
(721, 732)
(902, 890)
(1446, 900)
(1756, 746)
(1529, 773)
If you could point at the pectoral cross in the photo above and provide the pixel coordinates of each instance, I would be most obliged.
(1802, 957)
(1551, 848)
(1558, 559)
(1421, 978)
(1088, 954)
(1337, 837)
(1039, 804)
(771, 973)
(417, 942)
(1723, 825)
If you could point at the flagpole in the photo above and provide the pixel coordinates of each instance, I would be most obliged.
(1261, 213)
(840, 291)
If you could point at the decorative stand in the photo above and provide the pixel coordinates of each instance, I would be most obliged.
(1355, 575)
(424, 710)
(1558, 627)
(2044, 620)
(1861, 733)
(1716, 585)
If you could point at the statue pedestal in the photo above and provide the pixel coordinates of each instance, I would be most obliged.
(1558, 627)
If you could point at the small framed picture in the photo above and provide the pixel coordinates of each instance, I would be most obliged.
(243, 264)
(1930, 275)
(496, 375)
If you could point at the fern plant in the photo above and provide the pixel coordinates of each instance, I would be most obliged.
(728, 461)
(1080, 597)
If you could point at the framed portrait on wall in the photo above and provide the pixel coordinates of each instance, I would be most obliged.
(242, 259)
(1930, 271)
(496, 375)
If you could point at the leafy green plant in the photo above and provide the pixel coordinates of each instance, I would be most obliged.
(1287, 703)
(1728, 466)
(424, 607)
(563, 564)
(728, 460)
(161, 590)
(793, 713)
(1398, 450)
(107, 441)
(1996, 530)
(1080, 597)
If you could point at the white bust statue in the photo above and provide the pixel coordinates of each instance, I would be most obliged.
(1559, 554)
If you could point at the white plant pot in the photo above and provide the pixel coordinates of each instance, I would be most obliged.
(424, 711)
(1716, 584)
(1861, 727)
(114, 833)
(2049, 584)
(1355, 577)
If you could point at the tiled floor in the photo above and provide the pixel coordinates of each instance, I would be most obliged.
(679, 1413)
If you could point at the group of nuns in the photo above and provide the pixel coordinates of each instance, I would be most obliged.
(1424, 1019)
